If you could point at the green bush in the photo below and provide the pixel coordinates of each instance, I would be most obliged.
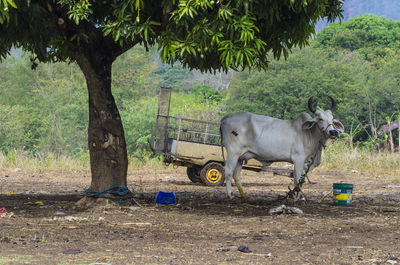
(206, 94)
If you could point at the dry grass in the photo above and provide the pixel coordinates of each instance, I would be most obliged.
(36, 165)
(336, 157)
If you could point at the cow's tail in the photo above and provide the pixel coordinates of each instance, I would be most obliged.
(222, 142)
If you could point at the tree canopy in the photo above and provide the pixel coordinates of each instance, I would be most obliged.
(202, 34)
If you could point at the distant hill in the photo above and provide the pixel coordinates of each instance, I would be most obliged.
(389, 9)
(381, 8)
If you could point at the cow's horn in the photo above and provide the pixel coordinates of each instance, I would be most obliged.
(333, 104)
(311, 105)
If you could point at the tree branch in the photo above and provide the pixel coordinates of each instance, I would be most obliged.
(166, 16)
(362, 126)
(118, 49)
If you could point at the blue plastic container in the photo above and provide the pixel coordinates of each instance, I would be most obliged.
(165, 197)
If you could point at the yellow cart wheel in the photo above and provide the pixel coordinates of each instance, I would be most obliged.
(213, 174)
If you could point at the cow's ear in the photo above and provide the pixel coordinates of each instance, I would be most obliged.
(338, 125)
(308, 124)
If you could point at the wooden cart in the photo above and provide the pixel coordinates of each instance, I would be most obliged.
(194, 144)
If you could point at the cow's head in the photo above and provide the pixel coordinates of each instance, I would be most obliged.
(329, 126)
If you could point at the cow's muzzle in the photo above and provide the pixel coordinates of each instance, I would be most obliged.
(333, 134)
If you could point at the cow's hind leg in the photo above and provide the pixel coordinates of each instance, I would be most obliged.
(238, 180)
(230, 165)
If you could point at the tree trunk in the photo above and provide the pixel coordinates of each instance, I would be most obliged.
(106, 140)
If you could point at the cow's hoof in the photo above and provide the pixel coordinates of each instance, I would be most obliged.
(300, 198)
(296, 195)
(245, 197)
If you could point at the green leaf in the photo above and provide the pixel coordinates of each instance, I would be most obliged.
(117, 35)
(11, 3)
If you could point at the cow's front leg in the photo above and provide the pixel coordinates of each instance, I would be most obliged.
(298, 180)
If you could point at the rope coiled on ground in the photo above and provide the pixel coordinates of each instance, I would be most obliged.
(114, 192)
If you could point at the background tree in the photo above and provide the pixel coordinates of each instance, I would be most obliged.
(283, 90)
(366, 31)
(206, 93)
(44, 110)
(207, 35)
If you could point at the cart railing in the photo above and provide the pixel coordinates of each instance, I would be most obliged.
(181, 129)
(190, 130)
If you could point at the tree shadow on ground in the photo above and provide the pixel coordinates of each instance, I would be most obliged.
(205, 203)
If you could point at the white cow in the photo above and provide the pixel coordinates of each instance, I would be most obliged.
(246, 135)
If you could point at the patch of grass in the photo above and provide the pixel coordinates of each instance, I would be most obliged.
(89, 258)
(39, 164)
(20, 259)
(79, 164)
(145, 163)
(338, 156)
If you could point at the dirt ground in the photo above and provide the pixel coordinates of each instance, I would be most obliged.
(42, 225)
